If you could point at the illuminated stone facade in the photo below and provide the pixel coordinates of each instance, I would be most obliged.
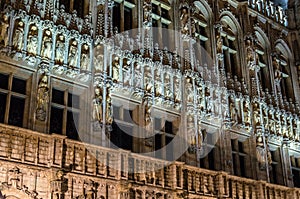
(149, 99)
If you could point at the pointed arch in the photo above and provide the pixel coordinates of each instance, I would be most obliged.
(285, 62)
(228, 18)
(204, 30)
(263, 51)
(233, 52)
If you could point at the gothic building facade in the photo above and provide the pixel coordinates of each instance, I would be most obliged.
(164, 99)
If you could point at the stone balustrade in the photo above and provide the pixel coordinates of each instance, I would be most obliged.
(25, 147)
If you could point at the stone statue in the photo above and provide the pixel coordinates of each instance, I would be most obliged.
(47, 45)
(233, 110)
(127, 76)
(199, 135)
(158, 84)
(250, 55)
(97, 103)
(184, 21)
(4, 30)
(278, 74)
(256, 114)
(42, 98)
(246, 114)
(109, 113)
(60, 49)
(85, 58)
(168, 92)
(177, 91)
(147, 116)
(99, 63)
(219, 44)
(115, 69)
(73, 54)
(18, 36)
(32, 41)
(189, 91)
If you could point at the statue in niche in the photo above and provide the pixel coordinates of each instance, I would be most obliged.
(260, 151)
(127, 76)
(73, 54)
(250, 55)
(277, 124)
(191, 130)
(271, 124)
(247, 114)
(184, 21)
(168, 92)
(200, 97)
(32, 41)
(158, 84)
(278, 74)
(97, 103)
(18, 36)
(60, 49)
(266, 118)
(99, 63)
(109, 113)
(208, 100)
(256, 114)
(167, 87)
(137, 75)
(219, 44)
(199, 135)
(47, 45)
(147, 115)
(98, 58)
(115, 69)
(4, 30)
(233, 110)
(177, 91)
(85, 58)
(42, 98)
(189, 91)
(148, 80)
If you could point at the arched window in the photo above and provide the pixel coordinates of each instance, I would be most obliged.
(229, 35)
(202, 16)
(262, 61)
(282, 71)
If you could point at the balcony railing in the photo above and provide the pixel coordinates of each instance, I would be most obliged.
(56, 151)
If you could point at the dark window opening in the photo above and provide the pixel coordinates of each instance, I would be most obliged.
(66, 4)
(56, 120)
(79, 7)
(169, 127)
(58, 96)
(117, 16)
(72, 125)
(121, 136)
(158, 145)
(19, 86)
(16, 111)
(73, 101)
(4, 81)
(127, 18)
(3, 98)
